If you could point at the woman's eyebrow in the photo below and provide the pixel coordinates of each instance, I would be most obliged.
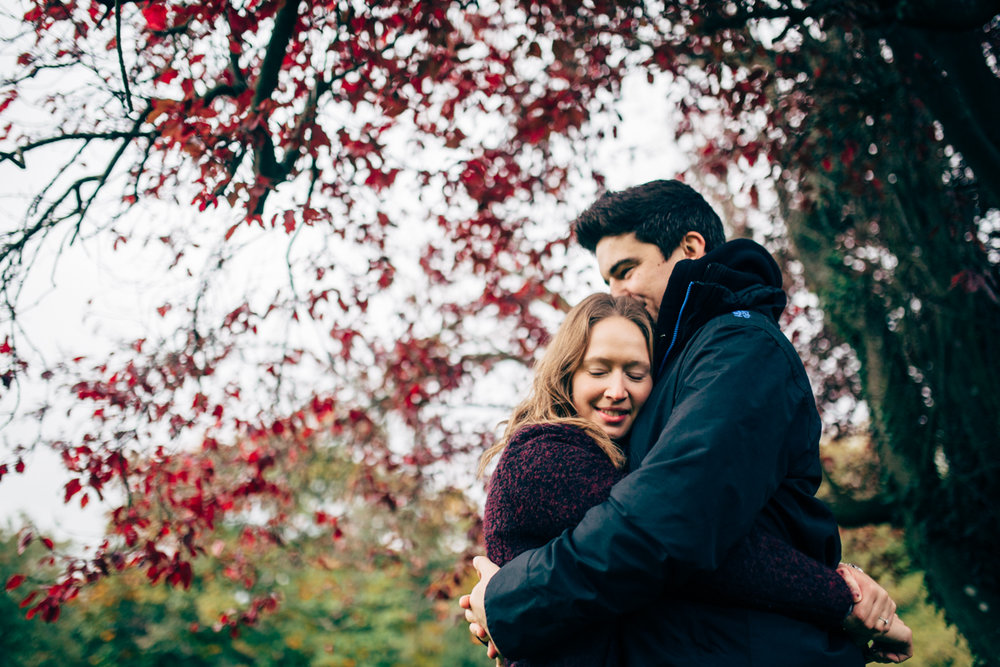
(596, 360)
(609, 361)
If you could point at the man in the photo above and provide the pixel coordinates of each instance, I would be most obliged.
(728, 439)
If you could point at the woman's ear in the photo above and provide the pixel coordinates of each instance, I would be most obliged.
(693, 245)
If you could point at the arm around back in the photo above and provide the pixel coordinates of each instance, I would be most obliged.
(725, 412)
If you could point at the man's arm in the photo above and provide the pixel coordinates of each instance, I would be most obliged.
(717, 460)
(872, 616)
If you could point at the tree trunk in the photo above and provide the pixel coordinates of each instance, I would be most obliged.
(947, 71)
(929, 377)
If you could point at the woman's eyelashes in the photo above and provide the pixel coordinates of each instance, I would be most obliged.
(636, 375)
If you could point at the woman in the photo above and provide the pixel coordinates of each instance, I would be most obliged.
(560, 455)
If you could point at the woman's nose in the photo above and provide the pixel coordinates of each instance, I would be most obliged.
(616, 387)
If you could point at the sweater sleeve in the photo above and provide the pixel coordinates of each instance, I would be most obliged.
(545, 481)
(763, 572)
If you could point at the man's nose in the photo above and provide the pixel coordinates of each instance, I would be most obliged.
(617, 288)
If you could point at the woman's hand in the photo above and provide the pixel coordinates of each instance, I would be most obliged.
(894, 646)
(474, 605)
(873, 621)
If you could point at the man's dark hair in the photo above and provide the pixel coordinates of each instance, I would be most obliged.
(659, 212)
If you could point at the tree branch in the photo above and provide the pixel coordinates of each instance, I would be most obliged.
(852, 511)
(265, 161)
(33, 72)
(121, 55)
(48, 218)
(934, 15)
(17, 157)
(284, 28)
(951, 76)
(942, 17)
(234, 89)
(795, 15)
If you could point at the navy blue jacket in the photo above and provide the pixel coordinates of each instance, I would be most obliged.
(727, 440)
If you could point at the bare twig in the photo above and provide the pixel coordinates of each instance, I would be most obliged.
(15, 80)
(121, 56)
(17, 156)
(48, 218)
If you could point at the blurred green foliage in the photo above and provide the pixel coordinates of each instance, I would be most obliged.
(333, 616)
(881, 551)
(342, 614)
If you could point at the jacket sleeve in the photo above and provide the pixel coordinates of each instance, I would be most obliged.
(718, 458)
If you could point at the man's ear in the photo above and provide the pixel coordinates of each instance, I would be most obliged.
(693, 245)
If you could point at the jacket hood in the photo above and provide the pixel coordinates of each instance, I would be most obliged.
(738, 275)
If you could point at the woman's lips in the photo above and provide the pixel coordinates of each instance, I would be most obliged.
(613, 415)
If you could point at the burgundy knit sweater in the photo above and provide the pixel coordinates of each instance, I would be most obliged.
(547, 478)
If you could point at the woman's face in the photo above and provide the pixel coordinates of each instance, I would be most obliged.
(613, 380)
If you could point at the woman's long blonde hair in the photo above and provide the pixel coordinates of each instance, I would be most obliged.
(551, 397)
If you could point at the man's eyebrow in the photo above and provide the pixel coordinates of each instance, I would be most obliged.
(616, 268)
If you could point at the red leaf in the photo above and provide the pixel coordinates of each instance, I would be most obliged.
(24, 541)
(72, 487)
(156, 17)
(51, 613)
(167, 76)
(15, 581)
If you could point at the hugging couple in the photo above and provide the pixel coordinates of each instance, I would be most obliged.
(654, 498)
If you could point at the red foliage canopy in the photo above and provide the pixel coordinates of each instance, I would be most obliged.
(389, 155)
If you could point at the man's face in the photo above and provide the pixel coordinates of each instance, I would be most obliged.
(637, 269)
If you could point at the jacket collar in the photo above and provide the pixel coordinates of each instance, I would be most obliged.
(738, 275)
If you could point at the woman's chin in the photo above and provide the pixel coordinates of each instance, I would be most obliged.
(617, 432)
